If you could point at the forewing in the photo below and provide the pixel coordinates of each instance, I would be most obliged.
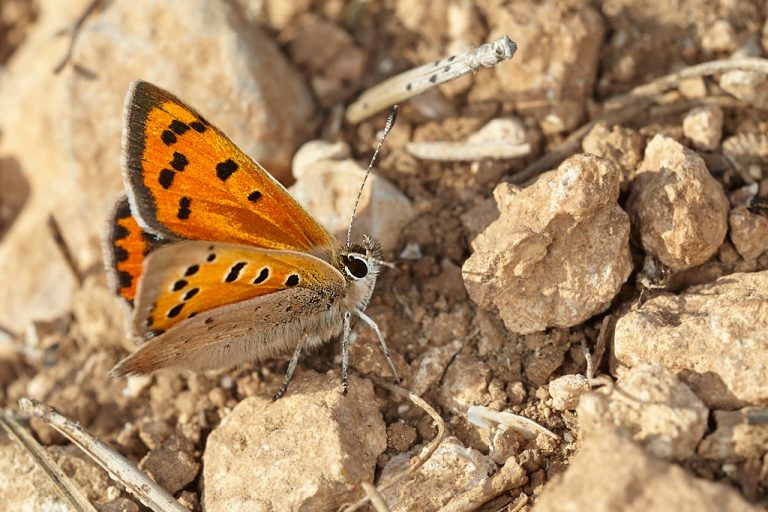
(184, 280)
(187, 179)
(126, 246)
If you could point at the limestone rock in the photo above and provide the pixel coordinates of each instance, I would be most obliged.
(611, 473)
(465, 383)
(749, 232)
(704, 127)
(250, 460)
(623, 146)
(560, 74)
(328, 186)
(566, 391)
(559, 251)
(678, 209)
(658, 411)
(735, 439)
(713, 337)
(451, 470)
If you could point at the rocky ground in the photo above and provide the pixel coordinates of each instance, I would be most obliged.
(616, 296)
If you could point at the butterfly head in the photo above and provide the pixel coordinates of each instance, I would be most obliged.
(361, 261)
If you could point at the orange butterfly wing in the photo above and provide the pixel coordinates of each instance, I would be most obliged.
(184, 279)
(127, 244)
(187, 179)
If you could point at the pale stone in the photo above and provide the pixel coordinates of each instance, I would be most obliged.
(465, 383)
(735, 439)
(566, 391)
(679, 210)
(558, 253)
(251, 459)
(651, 405)
(611, 473)
(713, 337)
(749, 232)
(327, 187)
(623, 146)
(704, 127)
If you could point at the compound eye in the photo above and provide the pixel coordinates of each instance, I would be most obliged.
(356, 267)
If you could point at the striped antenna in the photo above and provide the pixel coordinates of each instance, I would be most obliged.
(387, 127)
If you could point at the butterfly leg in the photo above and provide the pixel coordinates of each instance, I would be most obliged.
(291, 368)
(345, 352)
(370, 323)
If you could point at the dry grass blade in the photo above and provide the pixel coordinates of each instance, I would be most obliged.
(425, 455)
(63, 483)
(481, 416)
(415, 81)
(627, 106)
(510, 476)
(467, 151)
(121, 470)
(376, 500)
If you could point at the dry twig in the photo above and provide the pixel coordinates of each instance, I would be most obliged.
(63, 483)
(415, 81)
(467, 151)
(424, 456)
(629, 105)
(118, 468)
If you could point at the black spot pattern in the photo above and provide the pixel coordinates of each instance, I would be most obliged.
(254, 196)
(120, 254)
(234, 272)
(197, 126)
(175, 310)
(192, 270)
(166, 178)
(184, 211)
(263, 275)
(125, 279)
(211, 257)
(433, 78)
(179, 161)
(178, 127)
(120, 232)
(225, 169)
(191, 293)
(408, 86)
(292, 280)
(191, 315)
(168, 137)
(209, 320)
(447, 69)
(178, 285)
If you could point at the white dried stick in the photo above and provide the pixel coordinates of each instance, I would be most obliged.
(118, 467)
(415, 81)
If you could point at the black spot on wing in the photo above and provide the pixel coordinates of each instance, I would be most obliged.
(263, 275)
(168, 137)
(292, 280)
(192, 270)
(124, 278)
(178, 127)
(225, 169)
(119, 232)
(175, 310)
(254, 196)
(191, 293)
(197, 126)
(120, 253)
(211, 257)
(234, 272)
(180, 284)
(184, 211)
(166, 178)
(179, 161)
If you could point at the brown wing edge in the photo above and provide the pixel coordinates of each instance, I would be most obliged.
(120, 280)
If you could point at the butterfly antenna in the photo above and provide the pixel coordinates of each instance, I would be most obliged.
(387, 127)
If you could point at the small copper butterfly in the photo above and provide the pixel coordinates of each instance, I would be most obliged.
(218, 263)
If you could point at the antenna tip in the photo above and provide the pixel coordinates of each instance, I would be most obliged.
(391, 119)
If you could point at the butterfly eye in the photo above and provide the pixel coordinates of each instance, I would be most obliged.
(355, 267)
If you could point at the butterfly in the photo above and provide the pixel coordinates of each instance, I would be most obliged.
(216, 261)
